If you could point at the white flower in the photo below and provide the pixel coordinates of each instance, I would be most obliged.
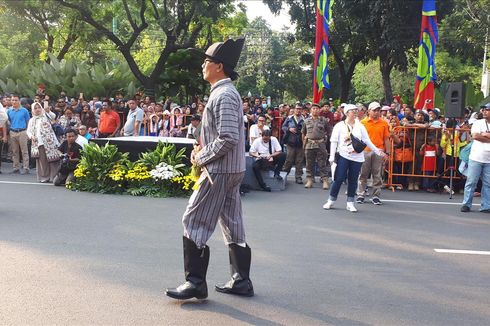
(163, 171)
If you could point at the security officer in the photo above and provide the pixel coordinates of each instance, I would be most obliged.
(316, 130)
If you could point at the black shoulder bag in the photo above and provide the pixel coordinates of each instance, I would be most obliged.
(357, 143)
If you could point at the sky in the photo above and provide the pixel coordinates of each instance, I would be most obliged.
(257, 8)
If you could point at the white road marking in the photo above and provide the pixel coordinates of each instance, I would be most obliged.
(26, 183)
(424, 202)
(466, 252)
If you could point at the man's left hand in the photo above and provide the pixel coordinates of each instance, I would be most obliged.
(194, 153)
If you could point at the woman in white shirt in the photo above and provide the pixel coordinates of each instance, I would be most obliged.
(349, 162)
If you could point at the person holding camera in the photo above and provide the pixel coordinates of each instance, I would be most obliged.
(70, 157)
(69, 120)
(268, 154)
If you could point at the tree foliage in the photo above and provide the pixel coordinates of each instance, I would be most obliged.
(177, 22)
(271, 65)
(364, 30)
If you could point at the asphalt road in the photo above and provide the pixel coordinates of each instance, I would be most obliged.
(81, 258)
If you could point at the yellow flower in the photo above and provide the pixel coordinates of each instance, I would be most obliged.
(138, 173)
(117, 173)
(80, 172)
(185, 182)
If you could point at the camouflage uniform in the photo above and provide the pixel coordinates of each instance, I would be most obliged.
(316, 132)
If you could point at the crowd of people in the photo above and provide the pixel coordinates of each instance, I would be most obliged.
(41, 130)
(420, 147)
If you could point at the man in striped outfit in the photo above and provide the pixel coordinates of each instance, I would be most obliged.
(221, 151)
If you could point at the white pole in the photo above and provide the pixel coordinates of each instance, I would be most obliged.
(485, 78)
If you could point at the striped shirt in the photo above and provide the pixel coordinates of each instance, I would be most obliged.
(222, 131)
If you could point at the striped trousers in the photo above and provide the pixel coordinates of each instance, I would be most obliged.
(212, 203)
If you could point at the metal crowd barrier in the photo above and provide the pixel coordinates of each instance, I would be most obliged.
(406, 160)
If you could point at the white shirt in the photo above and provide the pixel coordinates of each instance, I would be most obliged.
(190, 130)
(258, 146)
(255, 132)
(480, 152)
(82, 141)
(36, 125)
(3, 115)
(339, 143)
(133, 116)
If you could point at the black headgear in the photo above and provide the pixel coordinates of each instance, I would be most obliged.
(227, 53)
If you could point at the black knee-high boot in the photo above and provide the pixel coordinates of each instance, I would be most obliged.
(240, 282)
(195, 266)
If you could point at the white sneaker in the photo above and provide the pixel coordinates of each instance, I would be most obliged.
(328, 204)
(351, 208)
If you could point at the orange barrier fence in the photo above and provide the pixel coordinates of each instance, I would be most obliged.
(425, 153)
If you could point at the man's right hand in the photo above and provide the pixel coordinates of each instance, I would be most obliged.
(292, 130)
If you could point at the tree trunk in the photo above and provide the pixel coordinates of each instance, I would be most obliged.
(50, 40)
(345, 74)
(385, 67)
(149, 88)
(344, 86)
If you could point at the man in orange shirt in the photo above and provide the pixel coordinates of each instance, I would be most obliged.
(109, 122)
(379, 133)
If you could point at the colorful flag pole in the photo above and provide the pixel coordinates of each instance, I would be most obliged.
(426, 68)
(320, 68)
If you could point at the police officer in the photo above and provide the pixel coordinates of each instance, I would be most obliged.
(316, 130)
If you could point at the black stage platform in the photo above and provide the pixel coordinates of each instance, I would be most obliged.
(136, 145)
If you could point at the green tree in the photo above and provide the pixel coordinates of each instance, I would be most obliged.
(19, 42)
(348, 42)
(179, 23)
(59, 29)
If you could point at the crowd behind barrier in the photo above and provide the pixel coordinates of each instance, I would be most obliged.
(424, 157)
(425, 146)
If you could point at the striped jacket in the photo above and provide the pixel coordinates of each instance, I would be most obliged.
(222, 131)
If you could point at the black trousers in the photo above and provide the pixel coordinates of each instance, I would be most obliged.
(264, 164)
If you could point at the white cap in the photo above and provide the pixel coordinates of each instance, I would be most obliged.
(349, 107)
(374, 106)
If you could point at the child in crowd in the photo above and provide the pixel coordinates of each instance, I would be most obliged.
(153, 125)
(451, 145)
(428, 152)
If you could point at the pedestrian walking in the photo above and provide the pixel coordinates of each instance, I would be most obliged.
(348, 158)
(221, 154)
(379, 133)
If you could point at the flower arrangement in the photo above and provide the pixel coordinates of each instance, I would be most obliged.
(158, 173)
(163, 171)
